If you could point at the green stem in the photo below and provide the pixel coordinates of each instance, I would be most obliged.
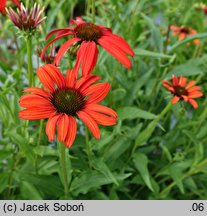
(38, 142)
(88, 147)
(93, 11)
(29, 61)
(63, 167)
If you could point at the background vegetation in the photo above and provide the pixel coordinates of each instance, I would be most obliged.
(146, 155)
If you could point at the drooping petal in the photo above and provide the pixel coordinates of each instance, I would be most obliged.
(193, 103)
(101, 118)
(87, 57)
(16, 2)
(99, 95)
(90, 58)
(116, 52)
(118, 41)
(175, 99)
(28, 101)
(52, 41)
(90, 123)
(61, 30)
(101, 109)
(36, 113)
(63, 125)
(63, 49)
(72, 129)
(38, 91)
(51, 125)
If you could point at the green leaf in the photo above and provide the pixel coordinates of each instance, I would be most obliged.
(141, 163)
(52, 15)
(156, 36)
(29, 191)
(100, 166)
(48, 184)
(4, 177)
(186, 40)
(91, 180)
(133, 112)
(184, 69)
(45, 151)
(142, 52)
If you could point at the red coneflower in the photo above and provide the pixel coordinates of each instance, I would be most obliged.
(184, 32)
(27, 20)
(183, 90)
(88, 36)
(3, 5)
(63, 100)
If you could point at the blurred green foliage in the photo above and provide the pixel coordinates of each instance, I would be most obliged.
(168, 163)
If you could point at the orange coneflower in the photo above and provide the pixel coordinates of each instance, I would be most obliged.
(184, 32)
(27, 20)
(3, 5)
(64, 99)
(88, 36)
(183, 90)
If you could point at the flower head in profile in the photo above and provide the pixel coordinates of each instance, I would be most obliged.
(184, 32)
(86, 36)
(3, 5)
(63, 100)
(183, 90)
(27, 20)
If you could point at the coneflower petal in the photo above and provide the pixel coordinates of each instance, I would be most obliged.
(37, 101)
(90, 123)
(98, 96)
(101, 118)
(175, 99)
(118, 41)
(195, 94)
(116, 52)
(101, 109)
(84, 82)
(36, 113)
(45, 79)
(38, 91)
(71, 134)
(63, 124)
(63, 49)
(55, 75)
(70, 78)
(193, 103)
(51, 125)
(190, 84)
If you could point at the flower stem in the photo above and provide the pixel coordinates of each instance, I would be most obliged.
(38, 143)
(93, 11)
(63, 167)
(88, 147)
(29, 61)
